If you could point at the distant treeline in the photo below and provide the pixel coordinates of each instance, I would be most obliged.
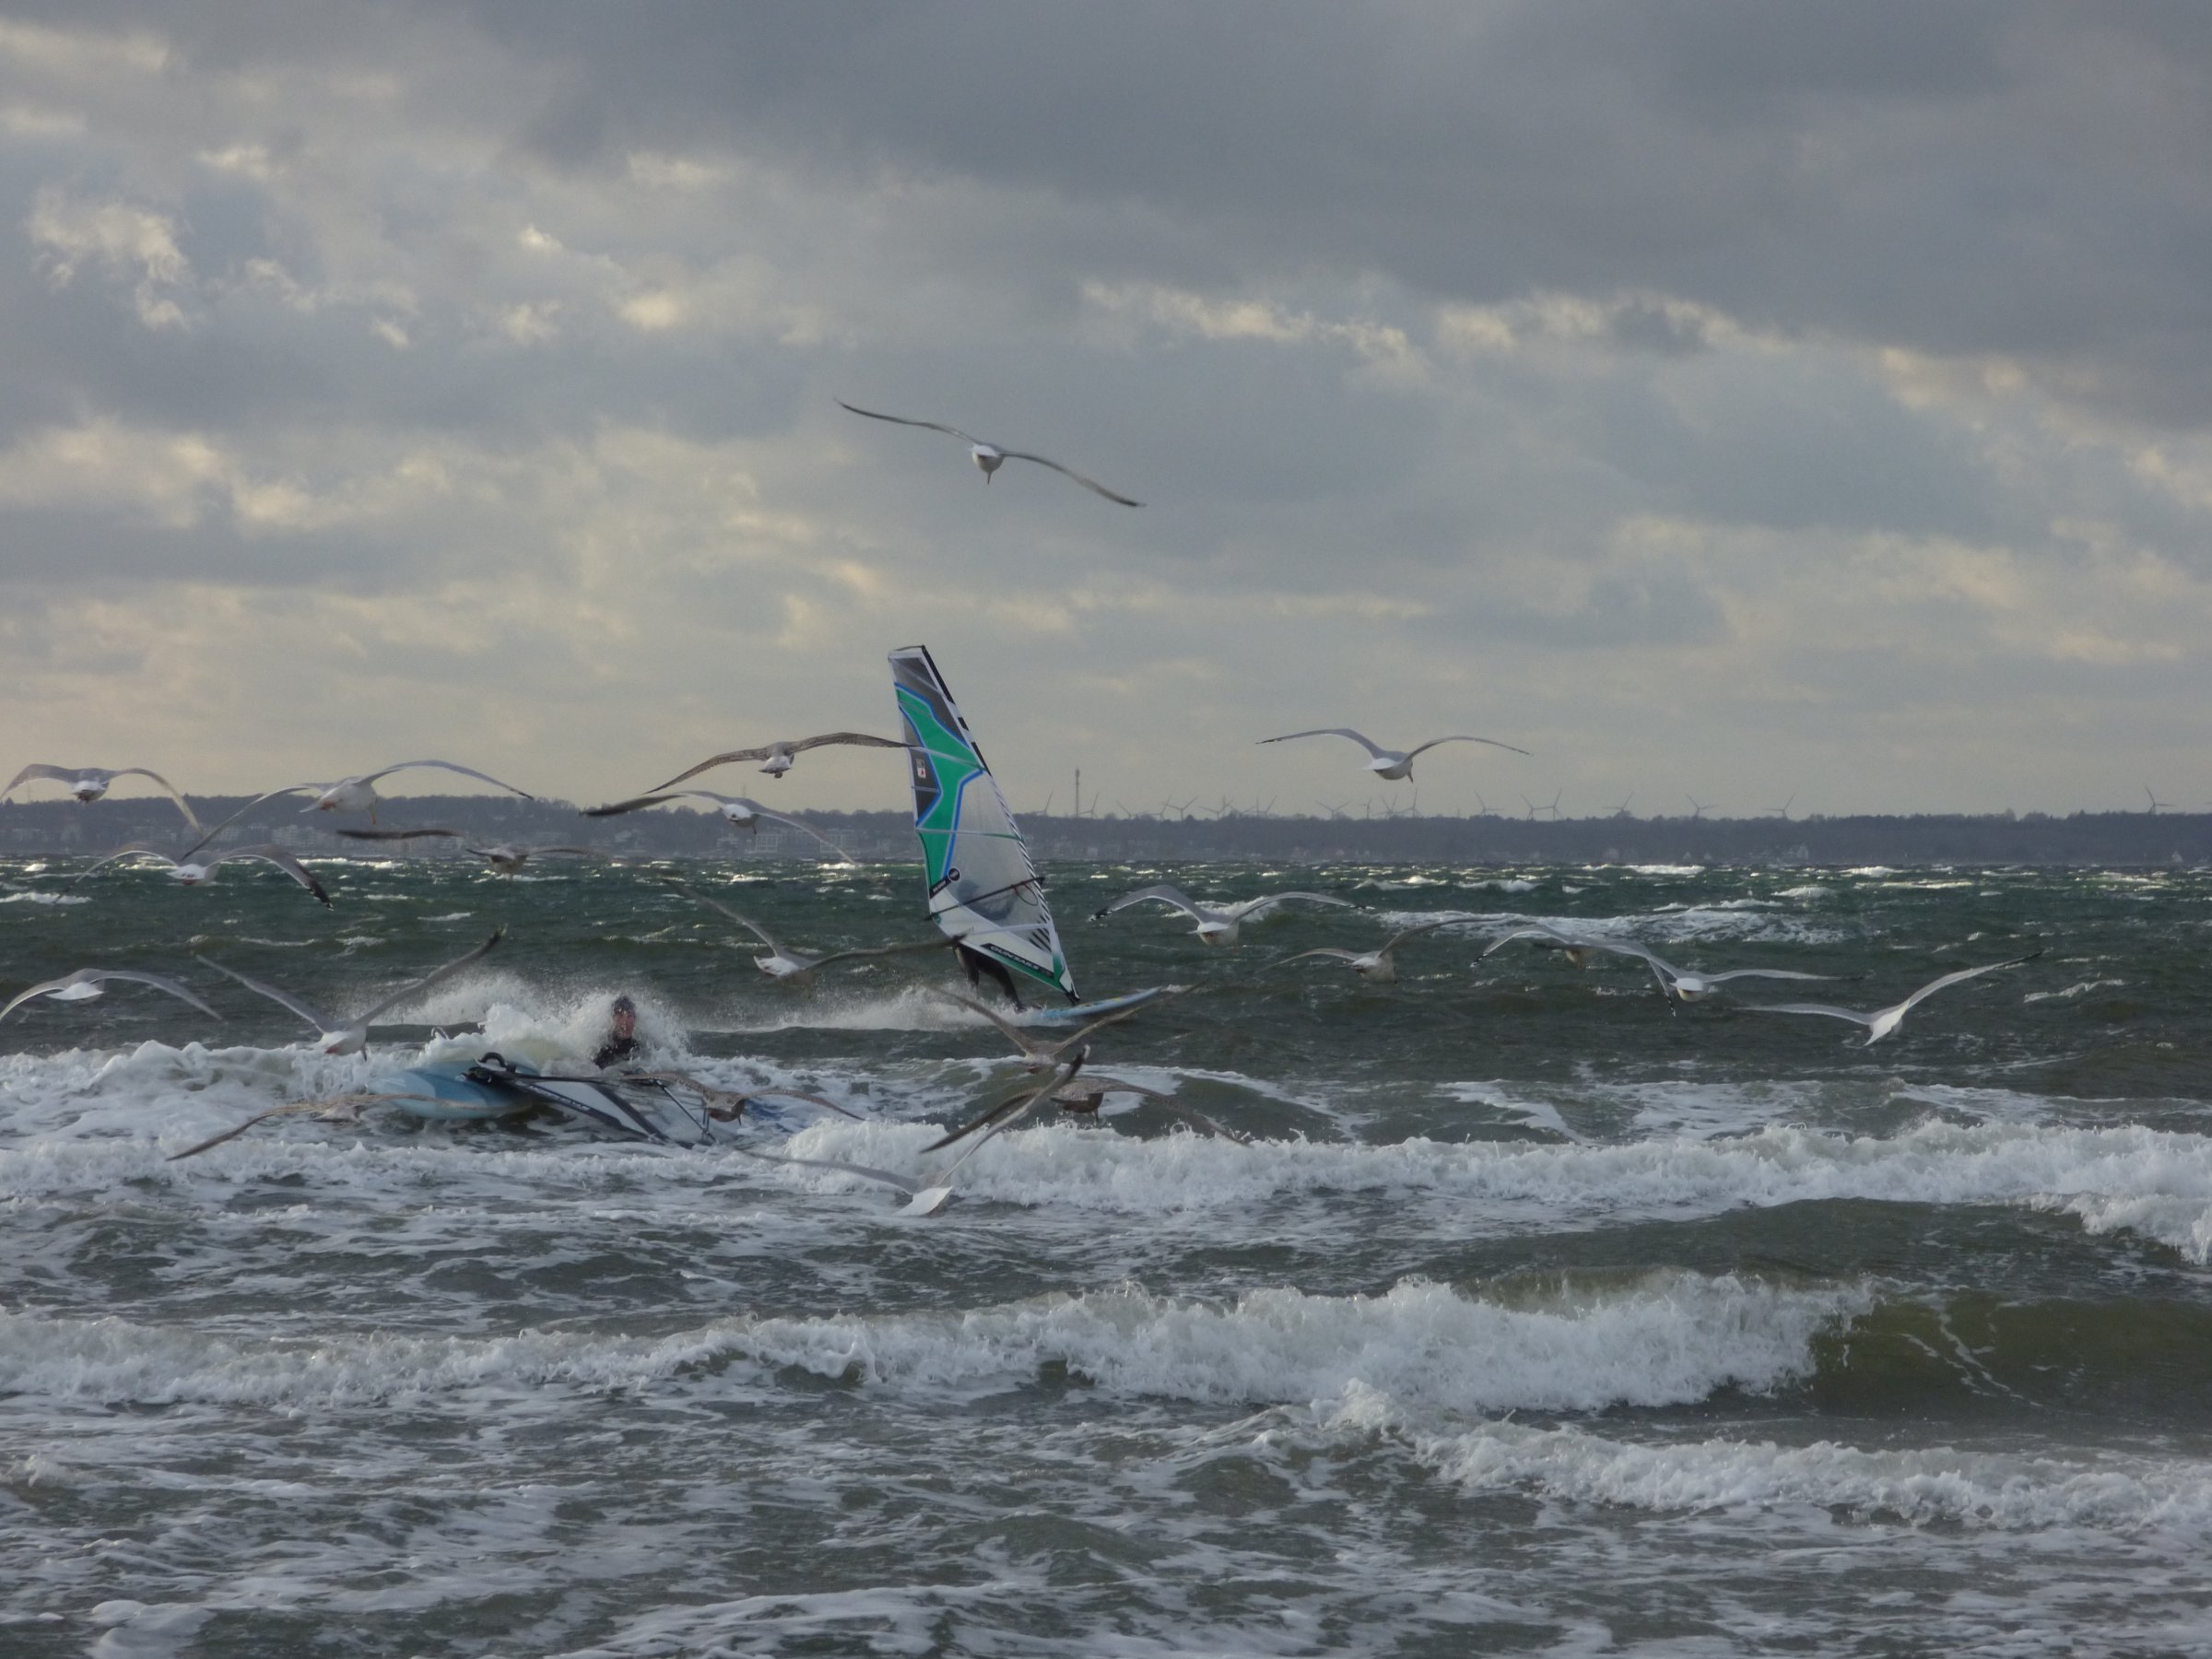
(31, 828)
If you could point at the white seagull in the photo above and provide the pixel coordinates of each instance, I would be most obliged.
(85, 985)
(1218, 924)
(779, 755)
(1883, 1021)
(736, 810)
(89, 782)
(784, 963)
(506, 857)
(195, 871)
(1678, 984)
(1575, 950)
(990, 458)
(352, 1036)
(1393, 764)
(359, 793)
(1378, 965)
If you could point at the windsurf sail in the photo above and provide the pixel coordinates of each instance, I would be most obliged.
(984, 890)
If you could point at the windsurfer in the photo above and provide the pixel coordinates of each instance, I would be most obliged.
(978, 965)
(622, 1034)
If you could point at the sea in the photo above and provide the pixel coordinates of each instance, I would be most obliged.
(1530, 1313)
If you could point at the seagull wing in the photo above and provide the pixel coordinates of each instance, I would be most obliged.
(257, 800)
(1735, 973)
(1254, 909)
(637, 803)
(466, 771)
(184, 806)
(1827, 1008)
(1397, 939)
(39, 768)
(1332, 951)
(1538, 930)
(1462, 738)
(394, 835)
(1188, 1114)
(129, 850)
(904, 1188)
(1933, 986)
(861, 739)
(282, 998)
(935, 426)
(283, 861)
(1004, 1114)
(1007, 1028)
(1069, 472)
(728, 757)
(747, 923)
(88, 975)
(945, 943)
(1162, 893)
(436, 977)
(1361, 738)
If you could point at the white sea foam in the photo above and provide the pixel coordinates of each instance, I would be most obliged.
(37, 897)
(2081, 988)
(1667, 1338)
(2152, 1181)
(1920, 1486)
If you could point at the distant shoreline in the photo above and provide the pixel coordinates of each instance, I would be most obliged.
(2127, 840)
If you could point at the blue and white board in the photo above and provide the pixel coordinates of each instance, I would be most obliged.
(1081, 1013)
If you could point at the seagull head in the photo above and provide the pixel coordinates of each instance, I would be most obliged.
(89, 789)
(989, 459)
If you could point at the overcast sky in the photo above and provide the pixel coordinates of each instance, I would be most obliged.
(1760, 402)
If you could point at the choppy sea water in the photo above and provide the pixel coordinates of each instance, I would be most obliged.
(1534, 1318)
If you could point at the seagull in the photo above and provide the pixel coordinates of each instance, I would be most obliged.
(194, 871)
(503, 856)
(359, 793)
(1883, 1021)
(1377, 965)
(85, 985)
(990, 458)
(736, 810)
(1392, 764)
(780, 755)
(89, 782)
(1677, 984)
(785, 964)
(1217, 924)
(353, 1037)
(1036, 1054)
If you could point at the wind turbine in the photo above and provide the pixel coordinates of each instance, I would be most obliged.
(1621, 811)
(1551, 806)
(1782, 811)
(2155, 803)
(1697, 808)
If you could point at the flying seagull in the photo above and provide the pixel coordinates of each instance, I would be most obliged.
(1392, 764)
(1678, 984)
(1086, 1093)
(194, 871)
(505, 857)
(359, 793)
(784, 963)
(736, 810)
(1883, 1021)
(1218, 924)
(990, 458)
(352, 1036)
(1378, 965)
(780, 755)
(85, 985)
(89, 782)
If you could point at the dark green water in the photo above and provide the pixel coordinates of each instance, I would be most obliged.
(1534, 1317)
